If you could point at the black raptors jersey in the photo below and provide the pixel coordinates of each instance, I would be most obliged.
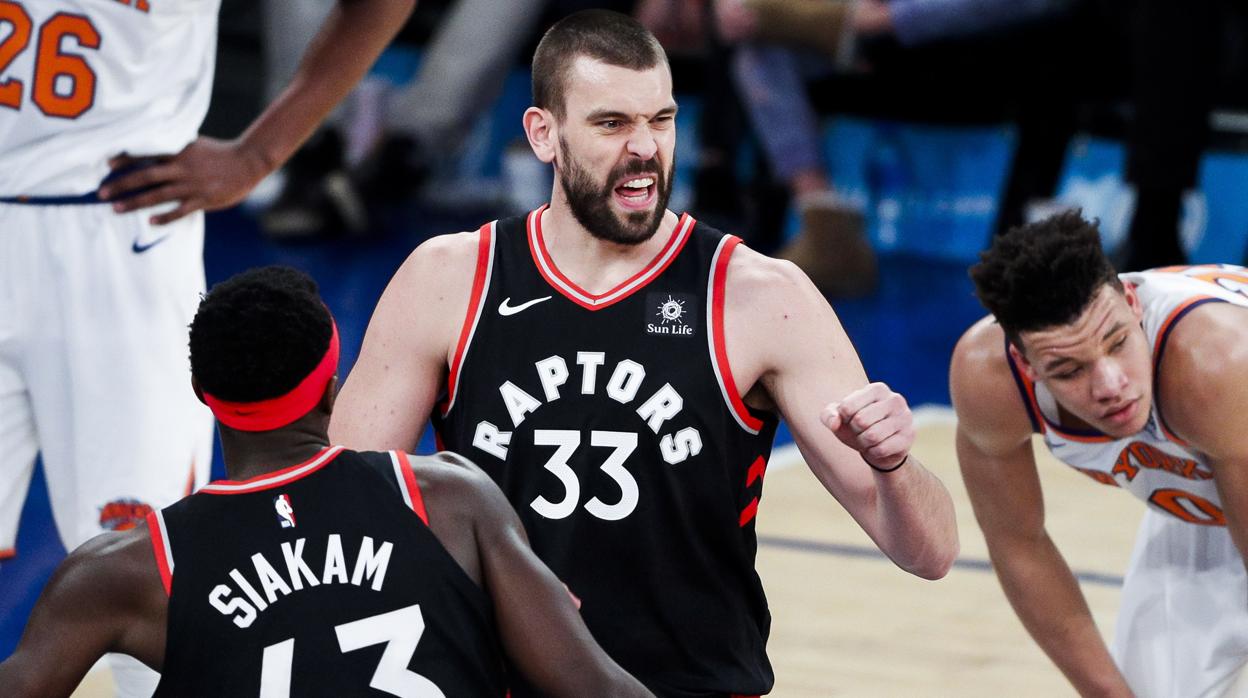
(614, 427)
(319, 580)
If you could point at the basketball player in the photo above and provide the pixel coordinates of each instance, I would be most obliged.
(1139, 381)
(312, 570)
(96, 299)
(619, 370)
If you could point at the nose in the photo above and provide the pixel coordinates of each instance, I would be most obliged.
(1108, 381)
(641, 144)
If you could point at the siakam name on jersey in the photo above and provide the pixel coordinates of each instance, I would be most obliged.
(370, 566)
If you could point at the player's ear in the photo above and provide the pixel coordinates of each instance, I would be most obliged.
(539, 128)
(329, 396)
(199, 392)
(1020, 360)
(1133, 300)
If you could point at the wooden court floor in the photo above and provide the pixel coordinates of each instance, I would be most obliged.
(849, 625)
(847, 622)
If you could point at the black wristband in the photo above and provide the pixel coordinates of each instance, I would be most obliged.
(878, 469)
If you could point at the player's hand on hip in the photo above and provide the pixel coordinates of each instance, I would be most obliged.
(874, 421)
(208, 174)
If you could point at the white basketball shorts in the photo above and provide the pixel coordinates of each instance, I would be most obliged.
(1183, 625)
(94, 374)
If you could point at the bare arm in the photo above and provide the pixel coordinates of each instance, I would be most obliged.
(541, 629)
(783, 336)
(995, 454)
(403, 362)
(1206, 364)
(105, 597)
(210, 174)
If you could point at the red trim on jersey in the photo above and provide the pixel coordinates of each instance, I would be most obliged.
(718, 279)
(747, 514)
(591, 301)
(8, 553)
(484, 257)
(1163, 335)
(190, 480)
(413, 489)
(757, 469)
(161, 551)
(275, 478)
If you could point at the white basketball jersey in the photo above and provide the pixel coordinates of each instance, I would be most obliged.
(1155, 465)
(84, 80)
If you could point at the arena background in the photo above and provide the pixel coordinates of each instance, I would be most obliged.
(845, 620)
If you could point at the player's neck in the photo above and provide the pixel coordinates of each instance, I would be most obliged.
(592, 263)
(251, 454)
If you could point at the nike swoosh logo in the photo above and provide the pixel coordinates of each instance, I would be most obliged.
(506, 309)
(140, 248)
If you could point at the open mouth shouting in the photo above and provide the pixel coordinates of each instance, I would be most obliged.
(636, 192)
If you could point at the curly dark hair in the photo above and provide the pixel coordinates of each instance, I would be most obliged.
(258, 333)
(1043, 274)
(613, 38)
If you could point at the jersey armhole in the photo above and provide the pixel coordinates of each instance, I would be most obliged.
(1026, 390)
(1159, 351)
(407, 484)
(715, 337)
(480, 281)
(160, 548)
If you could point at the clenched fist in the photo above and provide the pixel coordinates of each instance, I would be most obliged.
(874, 421)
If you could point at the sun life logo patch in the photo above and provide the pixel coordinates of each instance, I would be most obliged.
(671, 314)
(285, 512)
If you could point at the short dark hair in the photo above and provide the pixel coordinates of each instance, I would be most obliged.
(1043, 274)
(258, 334)
(610, 37)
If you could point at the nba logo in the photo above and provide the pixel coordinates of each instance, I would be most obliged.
(285, 512)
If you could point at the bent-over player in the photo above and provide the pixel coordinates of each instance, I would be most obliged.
(312, 570)
(620, 371)
(1140, 381)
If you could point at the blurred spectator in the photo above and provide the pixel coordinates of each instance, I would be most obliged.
(771, 78)
(386, 141)
(783, 44)
(1056, 64)
(1172, 53)
(380, 147)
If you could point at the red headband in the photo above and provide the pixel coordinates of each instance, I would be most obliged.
(277, 412)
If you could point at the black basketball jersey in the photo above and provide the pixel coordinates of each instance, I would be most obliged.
(320, 579)
(614, 427)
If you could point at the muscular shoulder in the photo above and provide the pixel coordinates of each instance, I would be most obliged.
(442, 261)
(467, 512)
(112, 570)
(456, 488)
(764, 288)
(425, 303)
(1204, 364)
(985, 395)
(766, 298)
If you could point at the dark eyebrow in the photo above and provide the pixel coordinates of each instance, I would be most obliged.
(1053, 365)
(1113, 330)
(610, 114)
(605, 114)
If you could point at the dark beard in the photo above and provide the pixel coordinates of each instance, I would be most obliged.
(590, 203)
